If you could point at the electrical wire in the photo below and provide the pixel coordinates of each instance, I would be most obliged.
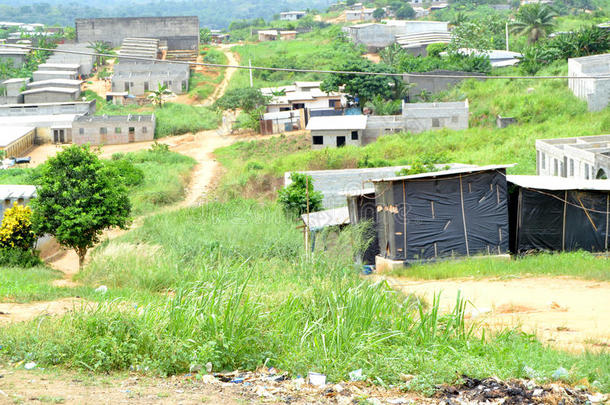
(321, 71)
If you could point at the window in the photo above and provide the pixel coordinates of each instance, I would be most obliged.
(571, 167)
(318, 140)
(555, 167)
(340, 141)
(132, 130)
(117, 130)
(543, 156)
(454, 119)
(144, 130)
(126, 86)
(334, 103)
(103, 131)
(435, 123)
(81, 131)
(354, 135)
(145, 86)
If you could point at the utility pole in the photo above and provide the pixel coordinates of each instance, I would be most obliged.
(250, 65)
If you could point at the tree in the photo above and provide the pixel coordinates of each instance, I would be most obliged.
(378, 13)
(390, 54)
(78, 197)
(362, 88)
(205, 35)
(533, 20)
(294, 197)
(100, 47)
(156, 96)
(247, 99)
(16, 229)
(405, 12)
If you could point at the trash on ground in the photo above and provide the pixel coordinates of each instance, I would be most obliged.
(30, 365)
(316, 379)
(101, 289)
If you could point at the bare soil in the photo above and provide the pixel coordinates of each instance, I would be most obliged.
(11, 312)
(564, 312)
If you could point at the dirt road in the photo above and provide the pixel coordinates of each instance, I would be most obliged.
(568, 313)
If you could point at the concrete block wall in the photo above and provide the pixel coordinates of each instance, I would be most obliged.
(420, 117)
(85, 61)
(380, 125)
(434, 84)
(181, 33)
(329, 138)
(117, 129)
(77, 107)
(50, 97)
(17, 60)
(47, 74)
(595, 91)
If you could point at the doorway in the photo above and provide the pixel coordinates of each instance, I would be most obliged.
(59, 135)
(132, 134)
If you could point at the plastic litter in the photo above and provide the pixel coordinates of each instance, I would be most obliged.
(237, 380)
(101, 289)
(316, 379)
(368, 269)
(208, 366)
(560, 374)
(356, 375)
(30, 365)
(530, 372)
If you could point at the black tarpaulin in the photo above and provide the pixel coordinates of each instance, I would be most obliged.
(461, 212)
(544, 219)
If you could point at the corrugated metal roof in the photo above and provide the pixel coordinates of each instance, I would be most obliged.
(10, 134)
(337, 122)
(450, 172)
(360, 192)
(49, 89)
(322, 219)
(558, 183)
(14, 191)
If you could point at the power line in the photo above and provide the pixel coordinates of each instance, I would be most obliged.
(274, 69)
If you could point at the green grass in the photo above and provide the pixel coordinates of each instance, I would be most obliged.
(17, 175)
(315, 50)
(576, 264)
(245, 296)
(33, 284)
(202, 85)
(165, 177)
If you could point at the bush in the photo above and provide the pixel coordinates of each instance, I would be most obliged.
(294, 197)
(247, 99)
(18, 258)
(131, 175)
(16, 229)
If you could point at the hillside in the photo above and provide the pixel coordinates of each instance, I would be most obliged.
(211, 13)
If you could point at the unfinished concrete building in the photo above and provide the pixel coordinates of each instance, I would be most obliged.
(420, 117)
(425, 83)
(376, 36)
(113, 129)
(292, 15)
(10, 91)
(62, 83)
(583, 157)
(85, 62)
(50, 94)
(180, 33)
(417, 44)
(336, 131)
(140, 78)
(593, 89)
(40, 75)
(14, 56)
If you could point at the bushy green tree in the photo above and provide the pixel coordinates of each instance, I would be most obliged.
(378, 13)
(78, 198)
(247, 99)
(294, 197)
(363, 87)
(205, 35)
(405, 12)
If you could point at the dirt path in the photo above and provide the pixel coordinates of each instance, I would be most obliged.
(11, 312)
(222, 87)
(568, 313)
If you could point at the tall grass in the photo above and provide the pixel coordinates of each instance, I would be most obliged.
(244, 296)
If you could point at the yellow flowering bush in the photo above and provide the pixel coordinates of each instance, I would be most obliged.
(16, 229)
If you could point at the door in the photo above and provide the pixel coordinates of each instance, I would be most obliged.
(132, 134)
(62, 136)
(340, 141)
(55, 136)
(59, 136)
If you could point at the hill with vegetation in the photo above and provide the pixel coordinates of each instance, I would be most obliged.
(211, 13)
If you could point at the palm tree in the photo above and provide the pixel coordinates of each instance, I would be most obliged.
(533, 20)
(100, 47)
(157, 95)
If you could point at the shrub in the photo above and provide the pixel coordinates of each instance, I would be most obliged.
(247, 99)
(131, 175)
(18, 258)
(16, 229)
(294, 197)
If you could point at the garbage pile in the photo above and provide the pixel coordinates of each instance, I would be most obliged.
(270, 385)
(513, 392)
